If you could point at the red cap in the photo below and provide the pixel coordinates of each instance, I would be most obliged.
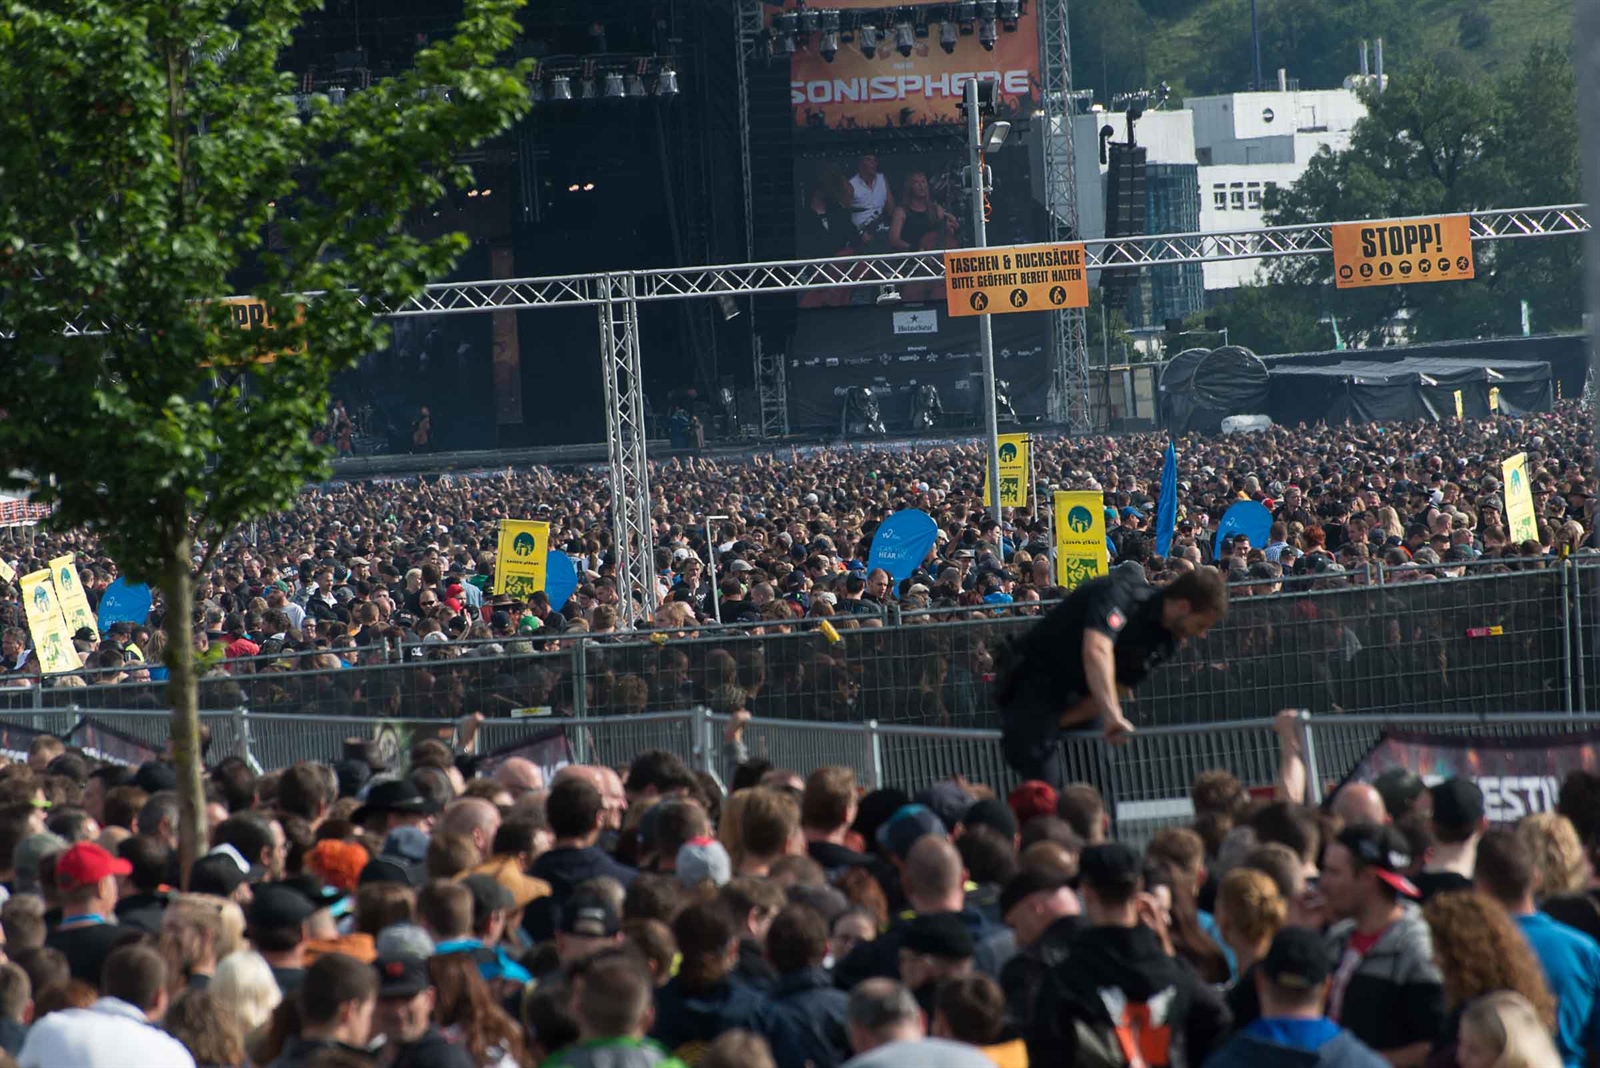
(86, 863)
(1032, 798)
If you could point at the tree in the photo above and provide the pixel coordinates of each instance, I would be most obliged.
(152, 154)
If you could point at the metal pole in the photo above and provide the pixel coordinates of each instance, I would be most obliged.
(711, 551)
(1586, 56)
(980, 239)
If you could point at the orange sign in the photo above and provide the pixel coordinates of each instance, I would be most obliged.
(252, 314)
(855, 91)
(1017, 278)
(1402, 251)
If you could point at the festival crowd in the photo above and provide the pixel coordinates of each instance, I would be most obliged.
(461, 912)
(359, 571)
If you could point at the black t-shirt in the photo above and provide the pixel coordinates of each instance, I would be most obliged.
(1439, 882)
(1126, 610)
(86, 948)
(289, 979)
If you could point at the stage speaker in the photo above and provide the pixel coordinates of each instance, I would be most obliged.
(1124, 216)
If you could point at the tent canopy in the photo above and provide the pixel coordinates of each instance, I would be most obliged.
(1201, 387)
(1405, 387)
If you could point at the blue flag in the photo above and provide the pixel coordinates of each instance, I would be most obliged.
(901, 542)
(1167, 506)
(1249, 518)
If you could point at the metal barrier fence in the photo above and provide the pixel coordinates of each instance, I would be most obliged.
(1487, 642)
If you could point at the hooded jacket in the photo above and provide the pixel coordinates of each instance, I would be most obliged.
(689, 1021)
(1395, 997)
(564, 869)
(1120, 977)
(812, 1026)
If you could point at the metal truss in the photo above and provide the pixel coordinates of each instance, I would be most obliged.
(631, 527)
(1069, 339)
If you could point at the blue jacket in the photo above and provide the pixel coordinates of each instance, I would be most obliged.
(1571, 963)
(686, 1022)
(1295, 1044)
(811, 1021)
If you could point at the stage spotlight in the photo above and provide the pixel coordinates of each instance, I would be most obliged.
(828, 46)
(904, 38)
(586, 90)
(966, 12)
(636, 88)
(560, 87)
(947, 36)
(614, 87)
(588, 187)
(1010, 11)
(809, 20)
(728, 306)
(536, 92)
(868, 36)
(785, 25)
(667, 83)
(987, 33)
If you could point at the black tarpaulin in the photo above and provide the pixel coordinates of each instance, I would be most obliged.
(1201, 387)
(1405, 387)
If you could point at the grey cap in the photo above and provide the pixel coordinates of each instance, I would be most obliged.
(404, 940)
(29, 852)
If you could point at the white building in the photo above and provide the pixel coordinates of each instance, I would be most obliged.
(1242, 143)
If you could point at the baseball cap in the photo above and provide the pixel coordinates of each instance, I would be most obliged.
(1298, 959)
(219, 872)
(1034, 879)
(85, 863)
(488, 896)
(403, 940)
(1032, 798)
(589, 915)
(1457, 803)
(29, 852)
(279, 905)
(940, 934)
(701, 859)
(402, 976)
(1384, 851)
(991, 812)
(947, 801)
(909, 823)
(1111, 869)
(1398, 787)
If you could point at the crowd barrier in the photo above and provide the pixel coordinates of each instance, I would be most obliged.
(1146, 780)
(1484, 642)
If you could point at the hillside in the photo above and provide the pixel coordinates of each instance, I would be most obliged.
(1203, 46)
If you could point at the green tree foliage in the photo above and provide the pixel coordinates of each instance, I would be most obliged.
(151, 154)
(1436, 144)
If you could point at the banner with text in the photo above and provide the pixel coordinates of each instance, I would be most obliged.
(74, 602)
(1015, 472)
(1402, 251)
(1080, 520)
(1021, 278)
(520, 557)
(1521, 520)
(1518, 776)
(52, 641)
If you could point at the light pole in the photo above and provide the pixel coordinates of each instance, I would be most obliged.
(711, 552)
(979, 142)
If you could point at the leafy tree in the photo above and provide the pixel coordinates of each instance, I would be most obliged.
(151, 152)
(1267, 319)
(1315, 40)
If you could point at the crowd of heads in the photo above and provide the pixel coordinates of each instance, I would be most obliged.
(473, 912)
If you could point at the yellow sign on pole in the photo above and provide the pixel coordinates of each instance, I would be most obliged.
(1018, 278)
(1080, 537)
(520, 557)
(1521, 521)
(1459, 410)
(69, 590)
(1494, 398)
(52, 641)
(1014, 472)
(1402, 251)
(7, 572)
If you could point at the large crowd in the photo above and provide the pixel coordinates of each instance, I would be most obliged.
(457, 912)
(356, 572)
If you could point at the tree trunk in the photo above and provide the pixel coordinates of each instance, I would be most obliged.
(177, 590)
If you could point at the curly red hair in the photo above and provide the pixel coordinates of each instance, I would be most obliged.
(338, 863)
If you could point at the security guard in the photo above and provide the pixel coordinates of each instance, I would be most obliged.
(1077, 663)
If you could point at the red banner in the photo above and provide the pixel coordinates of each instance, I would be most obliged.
(855, 91)
(1518, 776)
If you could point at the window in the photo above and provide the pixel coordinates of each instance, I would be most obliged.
(1252, 198)
(1236, 196)
(1219, 196)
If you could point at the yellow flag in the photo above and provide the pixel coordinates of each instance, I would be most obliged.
(1521, 522)
(7, 572)
(1014, 467)
(1080, 537)
(69, 590)
(1458, 405)
(520, 557)
(1494, 398)
(52, 641)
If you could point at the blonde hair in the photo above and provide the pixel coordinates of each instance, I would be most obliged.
(1251, 904)
(244, 981)
(731, 829)
(1557, 853)
(1509, 1022)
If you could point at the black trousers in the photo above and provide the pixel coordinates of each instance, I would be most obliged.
(1031, 736)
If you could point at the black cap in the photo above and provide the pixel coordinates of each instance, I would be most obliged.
(280, 905)
(487, 896)
(1297, 960)
(1111, 870)
(1034, 879)
(155, 776)
(589, 915)
(394, 795)
(1457, 803)
(217, 873)
(392, 870)
(940, 934)
(1399, 788)
(313, 890)
(993, 813)
(1384, 851)
(402, 977)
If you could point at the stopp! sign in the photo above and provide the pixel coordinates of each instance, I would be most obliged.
(1402, 251)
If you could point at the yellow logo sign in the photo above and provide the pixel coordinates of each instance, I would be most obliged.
(520, 557)
(1080, 521)
(1015, 472)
